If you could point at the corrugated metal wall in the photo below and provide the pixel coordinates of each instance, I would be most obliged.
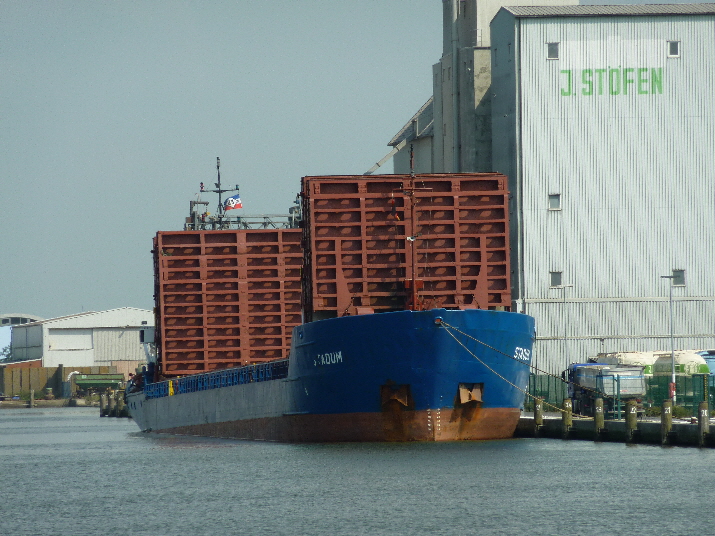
(626, 136)
(117, 344)
(27, 342)
(69, 339)
(589, 328)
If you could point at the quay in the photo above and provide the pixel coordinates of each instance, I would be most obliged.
(111, 403)
(663, 430)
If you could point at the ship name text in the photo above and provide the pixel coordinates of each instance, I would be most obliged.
(522, 354)
(328, 358)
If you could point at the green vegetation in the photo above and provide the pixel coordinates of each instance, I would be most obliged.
(679, 412)
(653, 411)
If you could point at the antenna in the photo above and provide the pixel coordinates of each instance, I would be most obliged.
(220, 190)
(219, 211)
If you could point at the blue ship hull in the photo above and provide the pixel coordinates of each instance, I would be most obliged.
(427, 376)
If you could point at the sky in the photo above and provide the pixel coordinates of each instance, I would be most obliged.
(112, 113)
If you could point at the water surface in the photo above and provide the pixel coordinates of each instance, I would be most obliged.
(67, 471)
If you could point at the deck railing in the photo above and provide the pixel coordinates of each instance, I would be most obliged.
(273, 370)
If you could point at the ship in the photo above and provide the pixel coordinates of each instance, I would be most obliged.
(379, 313)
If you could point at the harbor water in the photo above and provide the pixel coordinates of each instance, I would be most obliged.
(67, 471)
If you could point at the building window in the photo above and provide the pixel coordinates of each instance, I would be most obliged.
(678, 278)
(556, 280)
(673, 49)
(554, 201)
(552, 51)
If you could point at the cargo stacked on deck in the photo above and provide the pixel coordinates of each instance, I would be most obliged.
(359, 234)
(225, 298)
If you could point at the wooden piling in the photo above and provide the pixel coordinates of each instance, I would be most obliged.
(666, 422)
(111, 405)
(538, 415)
(59, 379)
(102, 405)
(631, 420)
(703, 424)
(599, 419)
(32, 399)
(566, 418)
(121, 407)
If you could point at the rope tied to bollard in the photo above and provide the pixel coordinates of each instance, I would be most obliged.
(449, 329)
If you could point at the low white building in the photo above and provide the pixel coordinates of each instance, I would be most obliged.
(104, 338)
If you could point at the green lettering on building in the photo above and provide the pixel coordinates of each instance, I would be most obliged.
(586, 79)
(642, 80)
(612, 81)
(600, 73)
(656, 81)
(565, 92)
(627, 79)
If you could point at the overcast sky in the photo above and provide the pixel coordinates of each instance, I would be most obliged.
(112, 113)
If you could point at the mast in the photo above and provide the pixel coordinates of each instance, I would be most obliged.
(219, 209)
(414, 303)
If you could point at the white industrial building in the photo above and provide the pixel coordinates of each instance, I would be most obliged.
(603, 119)
(105, 338)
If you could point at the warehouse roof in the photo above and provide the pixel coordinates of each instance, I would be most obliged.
(641, 10)
(120, 312)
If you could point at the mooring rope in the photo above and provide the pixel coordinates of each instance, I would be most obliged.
(449, 327)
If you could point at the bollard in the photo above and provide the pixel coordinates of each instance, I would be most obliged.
(631, 420)
(666, 422)
(703, 424)
(121, 407)
(538, 415)
(566, 418)
(102, 405)
(32, 399)
(111, 406)
(599, 420)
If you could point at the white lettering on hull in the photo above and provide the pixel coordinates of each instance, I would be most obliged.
(329, 358)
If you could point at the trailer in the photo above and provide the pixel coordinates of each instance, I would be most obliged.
(615, 385)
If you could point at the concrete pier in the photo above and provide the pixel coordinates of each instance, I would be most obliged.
(679, 432)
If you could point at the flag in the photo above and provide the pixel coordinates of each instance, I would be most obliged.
(232, 202)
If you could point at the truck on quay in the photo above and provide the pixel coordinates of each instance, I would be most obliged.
(615, 385)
